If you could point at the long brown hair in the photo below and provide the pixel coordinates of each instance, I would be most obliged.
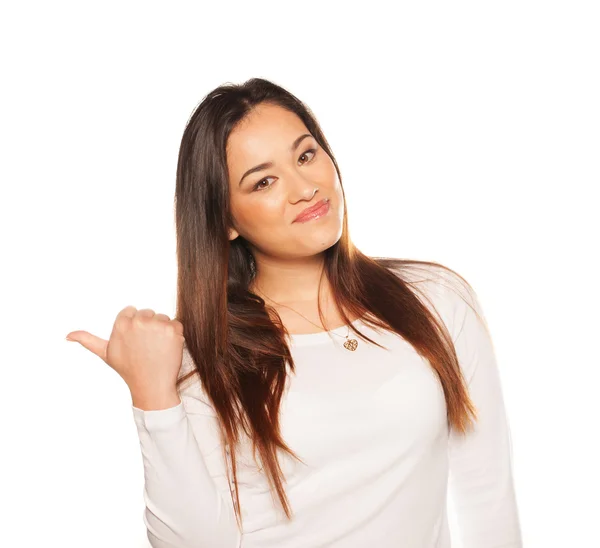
(236, 341)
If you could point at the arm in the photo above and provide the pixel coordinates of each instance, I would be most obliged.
(184, 507)
(480, 476)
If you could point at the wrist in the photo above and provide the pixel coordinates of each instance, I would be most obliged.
(155, 402)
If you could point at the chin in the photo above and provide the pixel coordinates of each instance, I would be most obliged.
(320, 240)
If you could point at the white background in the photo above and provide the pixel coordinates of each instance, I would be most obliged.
(467, 133)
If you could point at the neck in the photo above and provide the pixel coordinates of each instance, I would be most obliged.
(289, 281)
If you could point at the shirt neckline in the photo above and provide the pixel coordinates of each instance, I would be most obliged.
(304, 339)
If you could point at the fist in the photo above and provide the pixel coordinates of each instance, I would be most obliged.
(145, 349)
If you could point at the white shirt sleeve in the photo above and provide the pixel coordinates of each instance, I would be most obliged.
(480, 475)
(184, 507)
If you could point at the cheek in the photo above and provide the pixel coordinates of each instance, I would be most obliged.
(329, 175)
(260, 214)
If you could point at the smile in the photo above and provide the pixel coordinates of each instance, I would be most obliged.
(309, 214)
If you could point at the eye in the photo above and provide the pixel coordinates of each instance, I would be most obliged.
(309, 150)
(257, 185)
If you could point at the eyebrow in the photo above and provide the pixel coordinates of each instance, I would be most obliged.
(267, 165)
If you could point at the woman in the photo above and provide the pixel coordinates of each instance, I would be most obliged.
(306, 395)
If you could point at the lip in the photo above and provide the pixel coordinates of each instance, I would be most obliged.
(317, 210)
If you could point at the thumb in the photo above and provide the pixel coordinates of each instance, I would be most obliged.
(94, 344)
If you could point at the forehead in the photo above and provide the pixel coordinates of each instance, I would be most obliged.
(266, 132)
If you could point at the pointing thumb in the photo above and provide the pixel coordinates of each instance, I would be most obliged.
(94, 344)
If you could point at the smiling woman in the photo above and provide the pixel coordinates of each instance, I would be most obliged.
(287, 436)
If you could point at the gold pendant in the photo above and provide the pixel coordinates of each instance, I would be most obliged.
(351, 344)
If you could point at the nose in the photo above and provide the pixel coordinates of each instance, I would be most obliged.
(301, 188)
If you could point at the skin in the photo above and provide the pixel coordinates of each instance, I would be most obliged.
(288, 254)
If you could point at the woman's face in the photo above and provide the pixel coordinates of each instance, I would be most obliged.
(265, 203)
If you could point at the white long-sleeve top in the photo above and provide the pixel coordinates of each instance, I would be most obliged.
(370, 426)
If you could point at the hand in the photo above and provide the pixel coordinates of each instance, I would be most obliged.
(145, 349)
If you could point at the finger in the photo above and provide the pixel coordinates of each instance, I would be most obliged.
(162, 317)
(145, 312)
(94, 344)
(178, 326)
(127, 312)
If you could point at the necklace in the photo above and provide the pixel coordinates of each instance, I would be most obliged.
(349, 344)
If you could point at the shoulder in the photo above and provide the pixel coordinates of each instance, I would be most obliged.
(449, 295)
(442, 289)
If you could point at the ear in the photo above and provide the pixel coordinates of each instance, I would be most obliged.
(233, 234)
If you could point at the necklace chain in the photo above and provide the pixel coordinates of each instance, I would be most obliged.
(350, 344)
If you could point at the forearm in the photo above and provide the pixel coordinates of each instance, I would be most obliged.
(184, 509)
